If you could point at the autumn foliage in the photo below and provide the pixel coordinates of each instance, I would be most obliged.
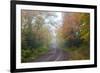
(74, 35)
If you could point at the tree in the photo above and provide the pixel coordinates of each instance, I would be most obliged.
(75, 29)
(34, 31)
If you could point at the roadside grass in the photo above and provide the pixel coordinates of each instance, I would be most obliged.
(81, 53)
(29, 55)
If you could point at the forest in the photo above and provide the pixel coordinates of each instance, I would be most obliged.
(54, 36)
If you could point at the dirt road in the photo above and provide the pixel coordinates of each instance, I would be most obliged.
(54, 54)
